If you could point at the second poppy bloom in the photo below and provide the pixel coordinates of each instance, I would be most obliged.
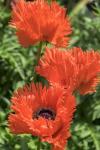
(40, 21)
(74, 68)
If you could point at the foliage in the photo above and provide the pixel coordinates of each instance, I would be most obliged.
(17, 68)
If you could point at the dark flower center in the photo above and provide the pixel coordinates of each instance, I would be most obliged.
(45, 113)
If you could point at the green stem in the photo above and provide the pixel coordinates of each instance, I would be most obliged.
(78, 8)
(39, 144)
(39, 52)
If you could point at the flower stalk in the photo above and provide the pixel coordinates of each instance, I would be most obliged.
(39, 144)
(39, 52)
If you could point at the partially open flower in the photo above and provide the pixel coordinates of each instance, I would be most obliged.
(73, 68)
(39, 21)
(88, 70)
(58, 66)
(43, 112)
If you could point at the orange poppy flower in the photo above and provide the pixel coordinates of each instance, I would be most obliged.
(43, 112)
(39, 21)
(88, 70)
(59, 67)
(74, 68)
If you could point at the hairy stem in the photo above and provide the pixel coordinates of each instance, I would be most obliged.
(39, 52)
(39, 144)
